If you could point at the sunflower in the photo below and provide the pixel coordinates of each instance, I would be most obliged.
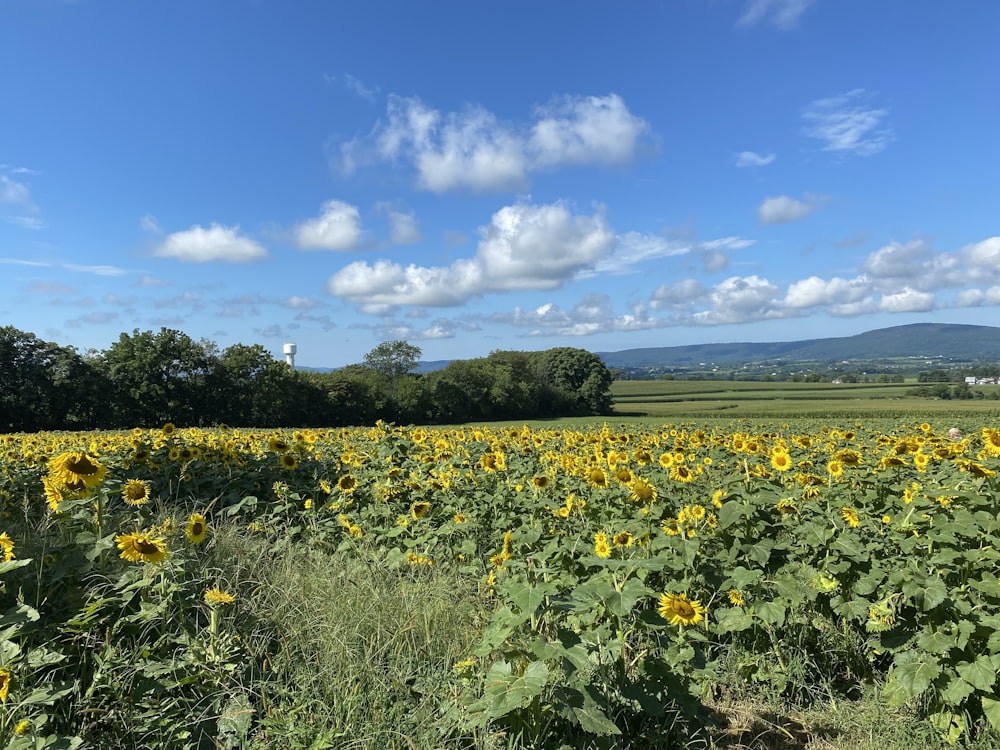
(5, 677)
(143, 546)
(277, 445)
(850, 516)
(601, 546)
(216, 596)
(196, 529)
(419, 510)
(991, 441)
(679, 611)
(347, 483)
(781, 461)
(681, 473)
(76, 471)
(460, 518)
(539, 481)
(596, 477)
(642, 491)
(623, 539)
(288, 461)
(168, 429)
(135, 492)
(835, 468)
(6, 547)
(666, 460)
(736, 598)
(52, 494)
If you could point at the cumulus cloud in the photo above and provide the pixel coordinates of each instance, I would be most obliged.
(523, 247)
(338, 227)
(848, 123)
(816, 292)
(783, 14)
(593, 314)
(474, 150)
(741, 299)
(585, 130)
(783, 209)
(753, 159)
(679, 296)
(216, 243)
(908, 300)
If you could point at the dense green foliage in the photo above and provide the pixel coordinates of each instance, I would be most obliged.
(149, 379)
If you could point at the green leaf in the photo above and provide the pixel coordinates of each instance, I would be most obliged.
(956, 691)
(980, 673)
(935, 592)
(910, 678)
(620, 603)
(732, 620)
(991, 710)
(582, 708)
(770, 612)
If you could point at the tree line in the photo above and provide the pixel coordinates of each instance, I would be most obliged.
(146, 379)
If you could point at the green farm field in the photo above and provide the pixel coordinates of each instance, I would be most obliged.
(679, 399)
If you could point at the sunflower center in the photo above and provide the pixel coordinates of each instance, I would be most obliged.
(82, 466)
(145, 547)
(683, 609)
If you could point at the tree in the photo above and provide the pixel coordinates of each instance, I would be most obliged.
(393, 358)
(44, 386)
(160, 377)
(579, 382)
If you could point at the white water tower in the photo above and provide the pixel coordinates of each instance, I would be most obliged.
(290, 350)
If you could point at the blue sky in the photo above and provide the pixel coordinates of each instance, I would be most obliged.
(478, 176)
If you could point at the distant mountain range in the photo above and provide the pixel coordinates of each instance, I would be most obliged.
(919, 340)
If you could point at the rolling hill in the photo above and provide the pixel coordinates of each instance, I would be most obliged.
(944, 341)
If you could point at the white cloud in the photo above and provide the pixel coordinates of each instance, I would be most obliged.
(816, 292)
(523, 247)
(475, 150)
(908, 300)
(22, 262)
(586, 130)
(97, 270)
(540, 247)
(680, 295)
(753, 159)
(593, 314)
(217, 243)
(783, 209)
(338, 227)
(739, 300)
(783, 14)
(848, 123)
(979, 297)
(982, 260)
(16, 194)
(148, 223)
(300, 302)
(358, 87)
(633, 248)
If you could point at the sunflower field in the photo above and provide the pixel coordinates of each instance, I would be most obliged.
(603, 585)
